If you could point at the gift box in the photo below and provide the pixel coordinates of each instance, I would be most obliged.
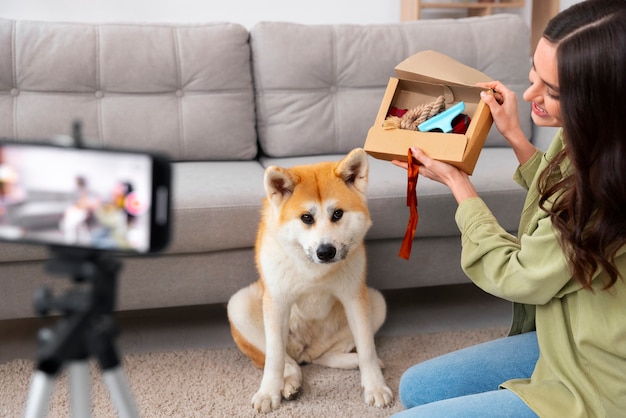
(421, 79)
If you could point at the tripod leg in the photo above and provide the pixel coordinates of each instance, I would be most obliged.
(80, 389)
(120, 392)
(39, 395)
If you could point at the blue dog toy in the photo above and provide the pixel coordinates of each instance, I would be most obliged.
(442, 120)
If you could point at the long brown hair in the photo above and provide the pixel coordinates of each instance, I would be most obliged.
(588, 207)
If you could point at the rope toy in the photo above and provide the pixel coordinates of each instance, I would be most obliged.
(415, 116)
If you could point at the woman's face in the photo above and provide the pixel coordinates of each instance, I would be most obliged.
(543, 92)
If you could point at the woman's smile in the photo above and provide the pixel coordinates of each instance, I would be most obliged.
(539, 111)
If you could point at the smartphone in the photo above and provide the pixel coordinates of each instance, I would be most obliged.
(92, 198)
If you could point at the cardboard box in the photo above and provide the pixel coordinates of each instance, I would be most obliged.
(421, 79)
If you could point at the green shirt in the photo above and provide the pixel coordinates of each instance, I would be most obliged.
(581, 371)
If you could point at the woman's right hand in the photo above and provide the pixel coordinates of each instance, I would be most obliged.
(503, 106)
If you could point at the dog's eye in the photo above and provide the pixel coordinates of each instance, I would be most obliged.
(307, 218)
(337, 215)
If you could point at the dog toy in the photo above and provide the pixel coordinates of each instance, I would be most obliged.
(460, 124)
(443, 120)
(413, 117)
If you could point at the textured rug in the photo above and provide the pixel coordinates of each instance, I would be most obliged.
(221, 382)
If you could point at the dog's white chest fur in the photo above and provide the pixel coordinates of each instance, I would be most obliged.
(313, 306)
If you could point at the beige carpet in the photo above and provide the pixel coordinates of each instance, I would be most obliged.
(221, 382)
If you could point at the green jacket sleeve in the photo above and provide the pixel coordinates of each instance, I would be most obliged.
(529, 270)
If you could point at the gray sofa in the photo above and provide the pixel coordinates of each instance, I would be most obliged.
(224, 102)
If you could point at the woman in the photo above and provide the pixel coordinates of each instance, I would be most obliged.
(566, 269)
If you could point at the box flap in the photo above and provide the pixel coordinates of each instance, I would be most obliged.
(435, 67)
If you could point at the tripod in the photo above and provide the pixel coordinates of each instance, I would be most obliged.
(86, 329)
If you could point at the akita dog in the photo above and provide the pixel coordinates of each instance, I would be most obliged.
(311, 303)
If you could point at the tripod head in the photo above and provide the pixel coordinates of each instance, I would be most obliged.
(86, 326)
(83, 266)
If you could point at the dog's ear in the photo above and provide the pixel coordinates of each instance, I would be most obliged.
(278, 184)
(354, 169)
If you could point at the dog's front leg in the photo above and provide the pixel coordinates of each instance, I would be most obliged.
(276, 324)
(376, 391)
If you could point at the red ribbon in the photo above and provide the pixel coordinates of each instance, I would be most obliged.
(411, 202)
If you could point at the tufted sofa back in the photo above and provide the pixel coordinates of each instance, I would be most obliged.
(181, 89)
(318, 87)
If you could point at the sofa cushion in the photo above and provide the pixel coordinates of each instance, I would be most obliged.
(148, 86)
(216, 205)
(319, 87)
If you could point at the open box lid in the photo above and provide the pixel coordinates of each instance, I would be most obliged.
(435, 67)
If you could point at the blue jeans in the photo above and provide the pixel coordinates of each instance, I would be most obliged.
(465, 383)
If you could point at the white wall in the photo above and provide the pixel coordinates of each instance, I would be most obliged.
(246, 12)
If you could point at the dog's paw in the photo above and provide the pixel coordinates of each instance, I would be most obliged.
(291, 390)
(379, 397)
(292, 381)
(265, 402)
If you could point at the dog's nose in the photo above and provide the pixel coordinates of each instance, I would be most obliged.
(326, 252)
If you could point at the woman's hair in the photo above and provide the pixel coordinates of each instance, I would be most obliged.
(589, 206)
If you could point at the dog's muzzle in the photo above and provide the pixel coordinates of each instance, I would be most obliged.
(326, 253)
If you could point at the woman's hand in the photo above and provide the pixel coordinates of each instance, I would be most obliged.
(503, 106)
(457, 180)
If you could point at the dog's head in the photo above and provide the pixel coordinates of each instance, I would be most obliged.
(319, 211)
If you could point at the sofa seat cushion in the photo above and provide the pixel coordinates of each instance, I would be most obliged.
(216, 205)
(386, 192)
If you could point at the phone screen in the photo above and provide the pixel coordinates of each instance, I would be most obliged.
(77, 197)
